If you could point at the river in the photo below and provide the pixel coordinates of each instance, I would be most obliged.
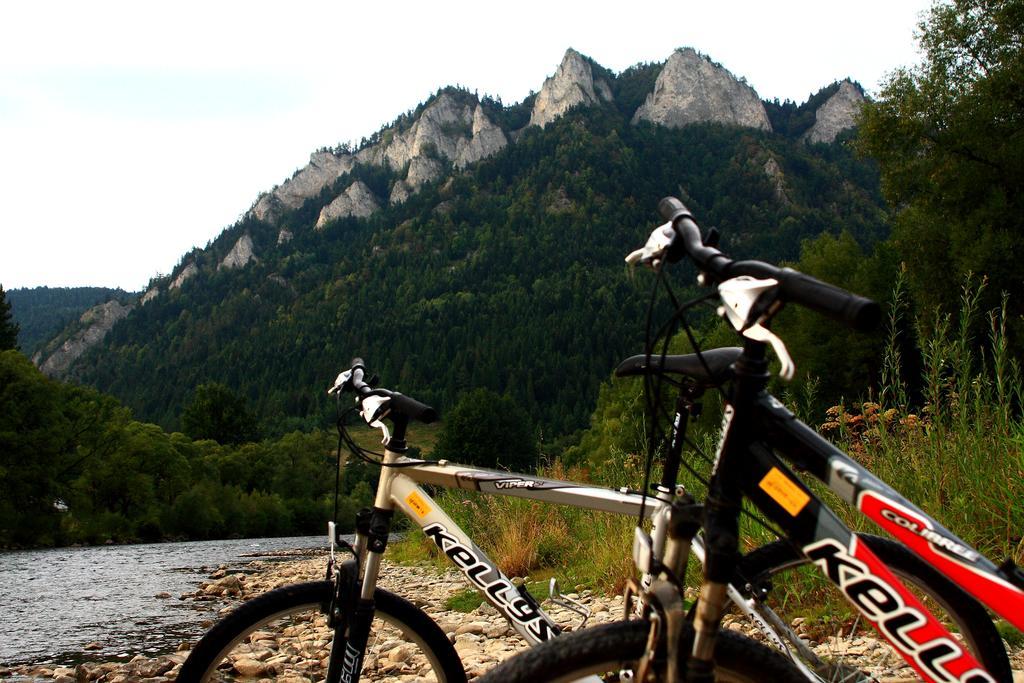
(55, 602)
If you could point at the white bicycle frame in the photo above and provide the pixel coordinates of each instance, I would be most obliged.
(399, 487)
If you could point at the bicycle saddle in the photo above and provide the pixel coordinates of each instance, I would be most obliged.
(716, 368)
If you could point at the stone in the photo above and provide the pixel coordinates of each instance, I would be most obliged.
(401, 653)
(422, 170)
(837, 114)
(777, 179)
(86, 672)
(475, 627)
(154, 668)
(442, 125)
(150, 294)
(188, 272)
(94, 325)
(449, 128)
(241, 254)
(400, 192)
(572, 85)
(487, 139)
(323, 169)
(229, 585)
(357, 200)
(692, 89)
(251, 668)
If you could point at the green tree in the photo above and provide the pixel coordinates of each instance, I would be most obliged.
(8, 328)
(490, 430)
(832, 360)
(215, 412)
(947, 135)
(34, 435)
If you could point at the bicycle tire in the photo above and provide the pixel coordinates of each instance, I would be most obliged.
(615, 648)
(965, 614)
(232, 642)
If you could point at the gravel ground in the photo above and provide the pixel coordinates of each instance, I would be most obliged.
(481, 637)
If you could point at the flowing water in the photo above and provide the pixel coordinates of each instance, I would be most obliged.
(55, 602)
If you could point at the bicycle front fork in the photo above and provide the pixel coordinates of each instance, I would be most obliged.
(353, 608)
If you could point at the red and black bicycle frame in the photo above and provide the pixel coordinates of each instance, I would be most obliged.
(746, 466)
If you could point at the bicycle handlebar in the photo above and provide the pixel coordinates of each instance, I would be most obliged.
(796, 287)
(397, 404)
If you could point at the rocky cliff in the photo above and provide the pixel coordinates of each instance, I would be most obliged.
(92, 328)
(572, 85)
(240, 255)
(323, 169)
(358, 200)
(188, 272)
(453, 130)
(449, 129)
(839, 113)
(692, 89)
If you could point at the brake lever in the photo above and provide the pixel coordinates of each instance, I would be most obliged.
(653, 252)
(741, 296)
(340, 382)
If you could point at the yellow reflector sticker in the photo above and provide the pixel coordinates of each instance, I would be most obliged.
(784, 491)
(418, 505)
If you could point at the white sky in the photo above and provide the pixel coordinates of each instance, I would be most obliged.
(133, 131)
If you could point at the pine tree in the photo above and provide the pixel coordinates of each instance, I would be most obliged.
(8, 328)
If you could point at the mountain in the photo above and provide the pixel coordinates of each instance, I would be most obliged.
(473, 244)
(43, 313)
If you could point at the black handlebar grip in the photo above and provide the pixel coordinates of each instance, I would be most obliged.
(671, 208)
(413, 409)
(856, 311)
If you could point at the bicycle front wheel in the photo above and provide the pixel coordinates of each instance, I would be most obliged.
(283, 634)
(612, 652)
(845, 646)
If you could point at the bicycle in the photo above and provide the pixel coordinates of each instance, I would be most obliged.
(756, 429)
(324, 607)
(334, 616)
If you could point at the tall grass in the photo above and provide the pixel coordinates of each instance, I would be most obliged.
(958, 454)
(531, 539)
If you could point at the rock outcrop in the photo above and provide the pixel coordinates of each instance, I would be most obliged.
(778, 180)
(240, 255)
(691, 89)
(400, 192)
(357, 200)
(572, 85)
(186, 274)
(323, 169)
(95, 323)
(487, 139)
(151, 293)
(837, 114)
(450, 128)
(447, 128)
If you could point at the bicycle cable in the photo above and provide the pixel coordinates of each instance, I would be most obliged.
(365, 454)
(655, 409)
(653, 381)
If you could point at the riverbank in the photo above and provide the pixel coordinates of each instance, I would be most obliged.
(481, 637)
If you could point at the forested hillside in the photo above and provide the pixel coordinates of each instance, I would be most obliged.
(506, 275)
(42, 312)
